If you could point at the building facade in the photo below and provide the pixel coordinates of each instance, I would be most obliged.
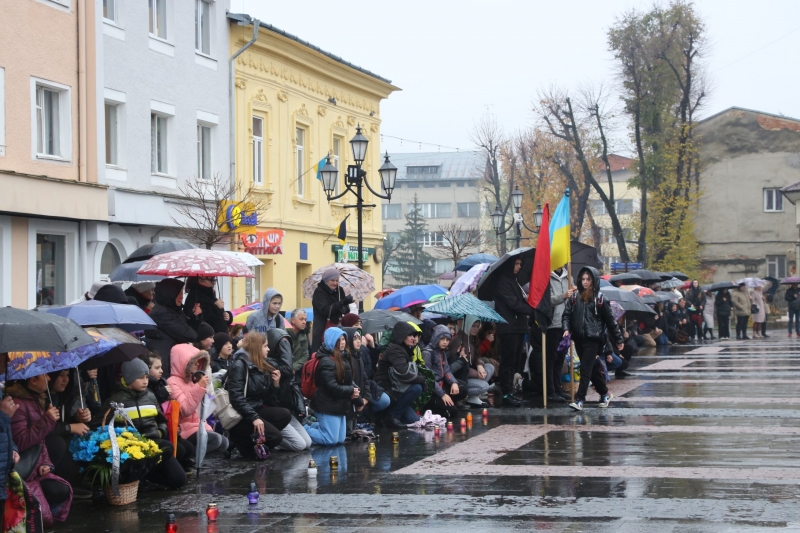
(295, 104)
(446, 186)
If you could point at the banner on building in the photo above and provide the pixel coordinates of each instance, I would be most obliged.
(347, 254)
(268, 242)
(237, 217)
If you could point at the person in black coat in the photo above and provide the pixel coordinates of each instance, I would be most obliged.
(588, 318)
(172, 325)
(396, 377)
(200, 290)
(9, 455)
(330, 303)
(511, 304)
(722, 307)
(792, 297)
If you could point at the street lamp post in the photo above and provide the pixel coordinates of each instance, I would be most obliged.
(356, 178)
(498, 218)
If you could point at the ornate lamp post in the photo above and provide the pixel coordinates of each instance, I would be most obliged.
(498, 218)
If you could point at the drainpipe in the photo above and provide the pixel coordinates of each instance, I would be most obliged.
(83, 267)
(231, 90)
(82, 103)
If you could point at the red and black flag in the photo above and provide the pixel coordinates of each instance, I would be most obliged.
(539, 290)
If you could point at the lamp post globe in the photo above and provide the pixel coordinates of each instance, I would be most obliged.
(516, 198)
(497, 218)
(329, 174)
(359, 145)
(388, 174)
(537, 217)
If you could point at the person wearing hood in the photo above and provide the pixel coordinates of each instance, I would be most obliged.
(696, 300)
(329, 303)
(336, 393)
(200, 291)
(399, 377)
(221, 352)
(252, 384)
(560, 292)
(588, 319)
(280, 348)
(467, 364)
(112, 294)
(143, 294)
(298, 330)
(446, 390)
(269, 316)
(171, 323)
(360, 375)
(189, 383)
(511, 304)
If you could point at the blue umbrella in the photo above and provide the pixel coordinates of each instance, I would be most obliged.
(94, 313)
(463, 305)
(24, 365)
(408, 296)
(475, 259)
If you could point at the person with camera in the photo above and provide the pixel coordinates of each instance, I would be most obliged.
(329, 302)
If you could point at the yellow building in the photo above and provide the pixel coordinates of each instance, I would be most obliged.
(295, 103)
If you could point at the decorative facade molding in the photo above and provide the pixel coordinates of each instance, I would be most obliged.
(373, 128)
(322, 110)
(260, 96)
(302, 110)
(282, 96)
(339, 123)
(351, 120)
(241, 83)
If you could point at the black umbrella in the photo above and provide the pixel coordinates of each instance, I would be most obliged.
(718, 286)
(487, 282)
(680, 275)
(626, 278)
(648, 276)
(626, 299)
(128, 272)
(379, 320)
(130, 349)
(583, 255)
(31, 331)
(149, 250)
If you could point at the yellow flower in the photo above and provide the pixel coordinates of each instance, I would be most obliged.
(134, 450)
(127, 434)
(105, 445)
(137, 455)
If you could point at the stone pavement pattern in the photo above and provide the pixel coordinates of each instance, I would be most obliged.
(703, 438)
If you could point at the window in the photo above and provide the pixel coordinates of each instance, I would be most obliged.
(444, 184)
(112, 135)
(393, 236)
(110, 10)
(624, 207)
(598, 207)
(442, 210)
(391, 211)
(300, 137)
(422, 170)
(773, 200)
(460, 184)
(203, 152)
(50, 120)
(413, 185)
(440, 266)
(158, 142)
(258, 150)
(431, 238)
(468, 209)
(51, 265)
(47, 123)
(776, 266)
(158, 18)
(202, 27)
(109, 260)
(335, 157)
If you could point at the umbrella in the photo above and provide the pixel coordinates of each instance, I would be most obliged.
(383, 293)
(92, 313)
(486, 284)
(638, 290)
(469, 280)
(447, 276)
(719, 286)
(475, 259)
(463, 305)
(243, 309)
(791, 280)
(379, 320)
(129, 272)
(355, 282)
(408, 296)
(627, 300)
(616, 310)
(583, 255)
(157, 248)
(673, 283)
(30, 330)
(685, 285)
(241, 318)
(751, 283)
(666, 296)
(626, 278)
(676, 274)
(248, 258)
(115, 346)
(647, 276)
(196, 262)
(604, 283)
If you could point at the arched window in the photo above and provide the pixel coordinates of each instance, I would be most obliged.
(110, 260)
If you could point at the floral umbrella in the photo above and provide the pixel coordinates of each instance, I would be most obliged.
(196, 262)
(355, 282)
(791, 280)
(469, 280)
(638, 290)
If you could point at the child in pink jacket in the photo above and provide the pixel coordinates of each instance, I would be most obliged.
(189, 380)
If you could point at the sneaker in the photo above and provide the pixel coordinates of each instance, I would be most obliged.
(509, 400)
(605, 400)
(517, 382)
(577, 405)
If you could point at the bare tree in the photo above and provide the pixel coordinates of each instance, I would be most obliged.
(390, 246)
(456, 240)
(202, 215)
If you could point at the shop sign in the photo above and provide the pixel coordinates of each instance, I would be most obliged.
(268, 242)
(346, 254)
(237, 217)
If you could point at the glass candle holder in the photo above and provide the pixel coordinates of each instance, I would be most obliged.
(171, 525)
(334, 462)
(252, 496)
(212, 512)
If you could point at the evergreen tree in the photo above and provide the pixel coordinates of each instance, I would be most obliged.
(414, 266)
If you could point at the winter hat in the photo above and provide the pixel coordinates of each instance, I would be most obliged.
(133, 370)
(204, 331)
(111, 293)
(96, 286)
(330, 273)
(332, 336)
(220, 339)
(350, 319)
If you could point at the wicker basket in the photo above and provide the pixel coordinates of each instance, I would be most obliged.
(127, 494)
(570, 386)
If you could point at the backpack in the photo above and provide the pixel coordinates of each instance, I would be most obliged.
(308, 376)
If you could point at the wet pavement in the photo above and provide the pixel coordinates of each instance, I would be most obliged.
(704, 438)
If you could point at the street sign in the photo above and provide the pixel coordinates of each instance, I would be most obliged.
(624, 267)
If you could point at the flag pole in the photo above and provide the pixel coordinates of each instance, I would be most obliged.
(544, 368)
(571, 343)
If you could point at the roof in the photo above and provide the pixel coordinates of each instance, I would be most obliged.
(792, 192)
(244, 19)
(452, 165)
(736, 108)
(618, 162)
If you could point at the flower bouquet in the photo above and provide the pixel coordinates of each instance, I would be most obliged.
(137, 456)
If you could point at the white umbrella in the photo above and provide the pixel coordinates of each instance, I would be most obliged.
(469, 280)
(751, 283)
(248, 259)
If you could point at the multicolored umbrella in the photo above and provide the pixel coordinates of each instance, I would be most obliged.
(241, 318)
(673, 283)
(638, 290)
(196, 262)
(384, 292)
(616, 310)
(247, 258)
(791, 280)
(470, 280)
(355, 282)
(126, 347)
(245, 308)
(463, 305)
(408, 296)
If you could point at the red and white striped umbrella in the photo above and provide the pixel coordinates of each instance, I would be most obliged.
(196, 262)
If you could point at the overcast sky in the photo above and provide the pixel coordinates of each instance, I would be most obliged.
(458, 59)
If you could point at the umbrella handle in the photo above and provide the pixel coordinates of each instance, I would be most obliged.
(80, 392)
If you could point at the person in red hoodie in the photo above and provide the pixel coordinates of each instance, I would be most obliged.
(189, 382)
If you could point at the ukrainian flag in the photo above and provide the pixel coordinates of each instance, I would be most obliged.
(316, 168)
(560, 234)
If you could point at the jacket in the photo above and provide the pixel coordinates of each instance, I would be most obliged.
(360, 374)
(758, 299)
(470, 344)
(397, 356)
(218, 363)
(696, 298)
(188, 394)
(741, 302)
(171, 323)
(143, 410)
(212, 315)
(328, 305)
(280, 348)
(509, 302)
(590, 320)
(7, 449)
(260, 321)
(793, 297)
(260, 389)
(436, 360)
(159, 389)
(722, 303)
(299, 347)
(333, 396)
(559, 285)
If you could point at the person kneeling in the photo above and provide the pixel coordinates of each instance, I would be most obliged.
(398, 375)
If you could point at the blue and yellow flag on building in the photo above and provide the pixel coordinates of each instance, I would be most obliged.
(560, 234)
